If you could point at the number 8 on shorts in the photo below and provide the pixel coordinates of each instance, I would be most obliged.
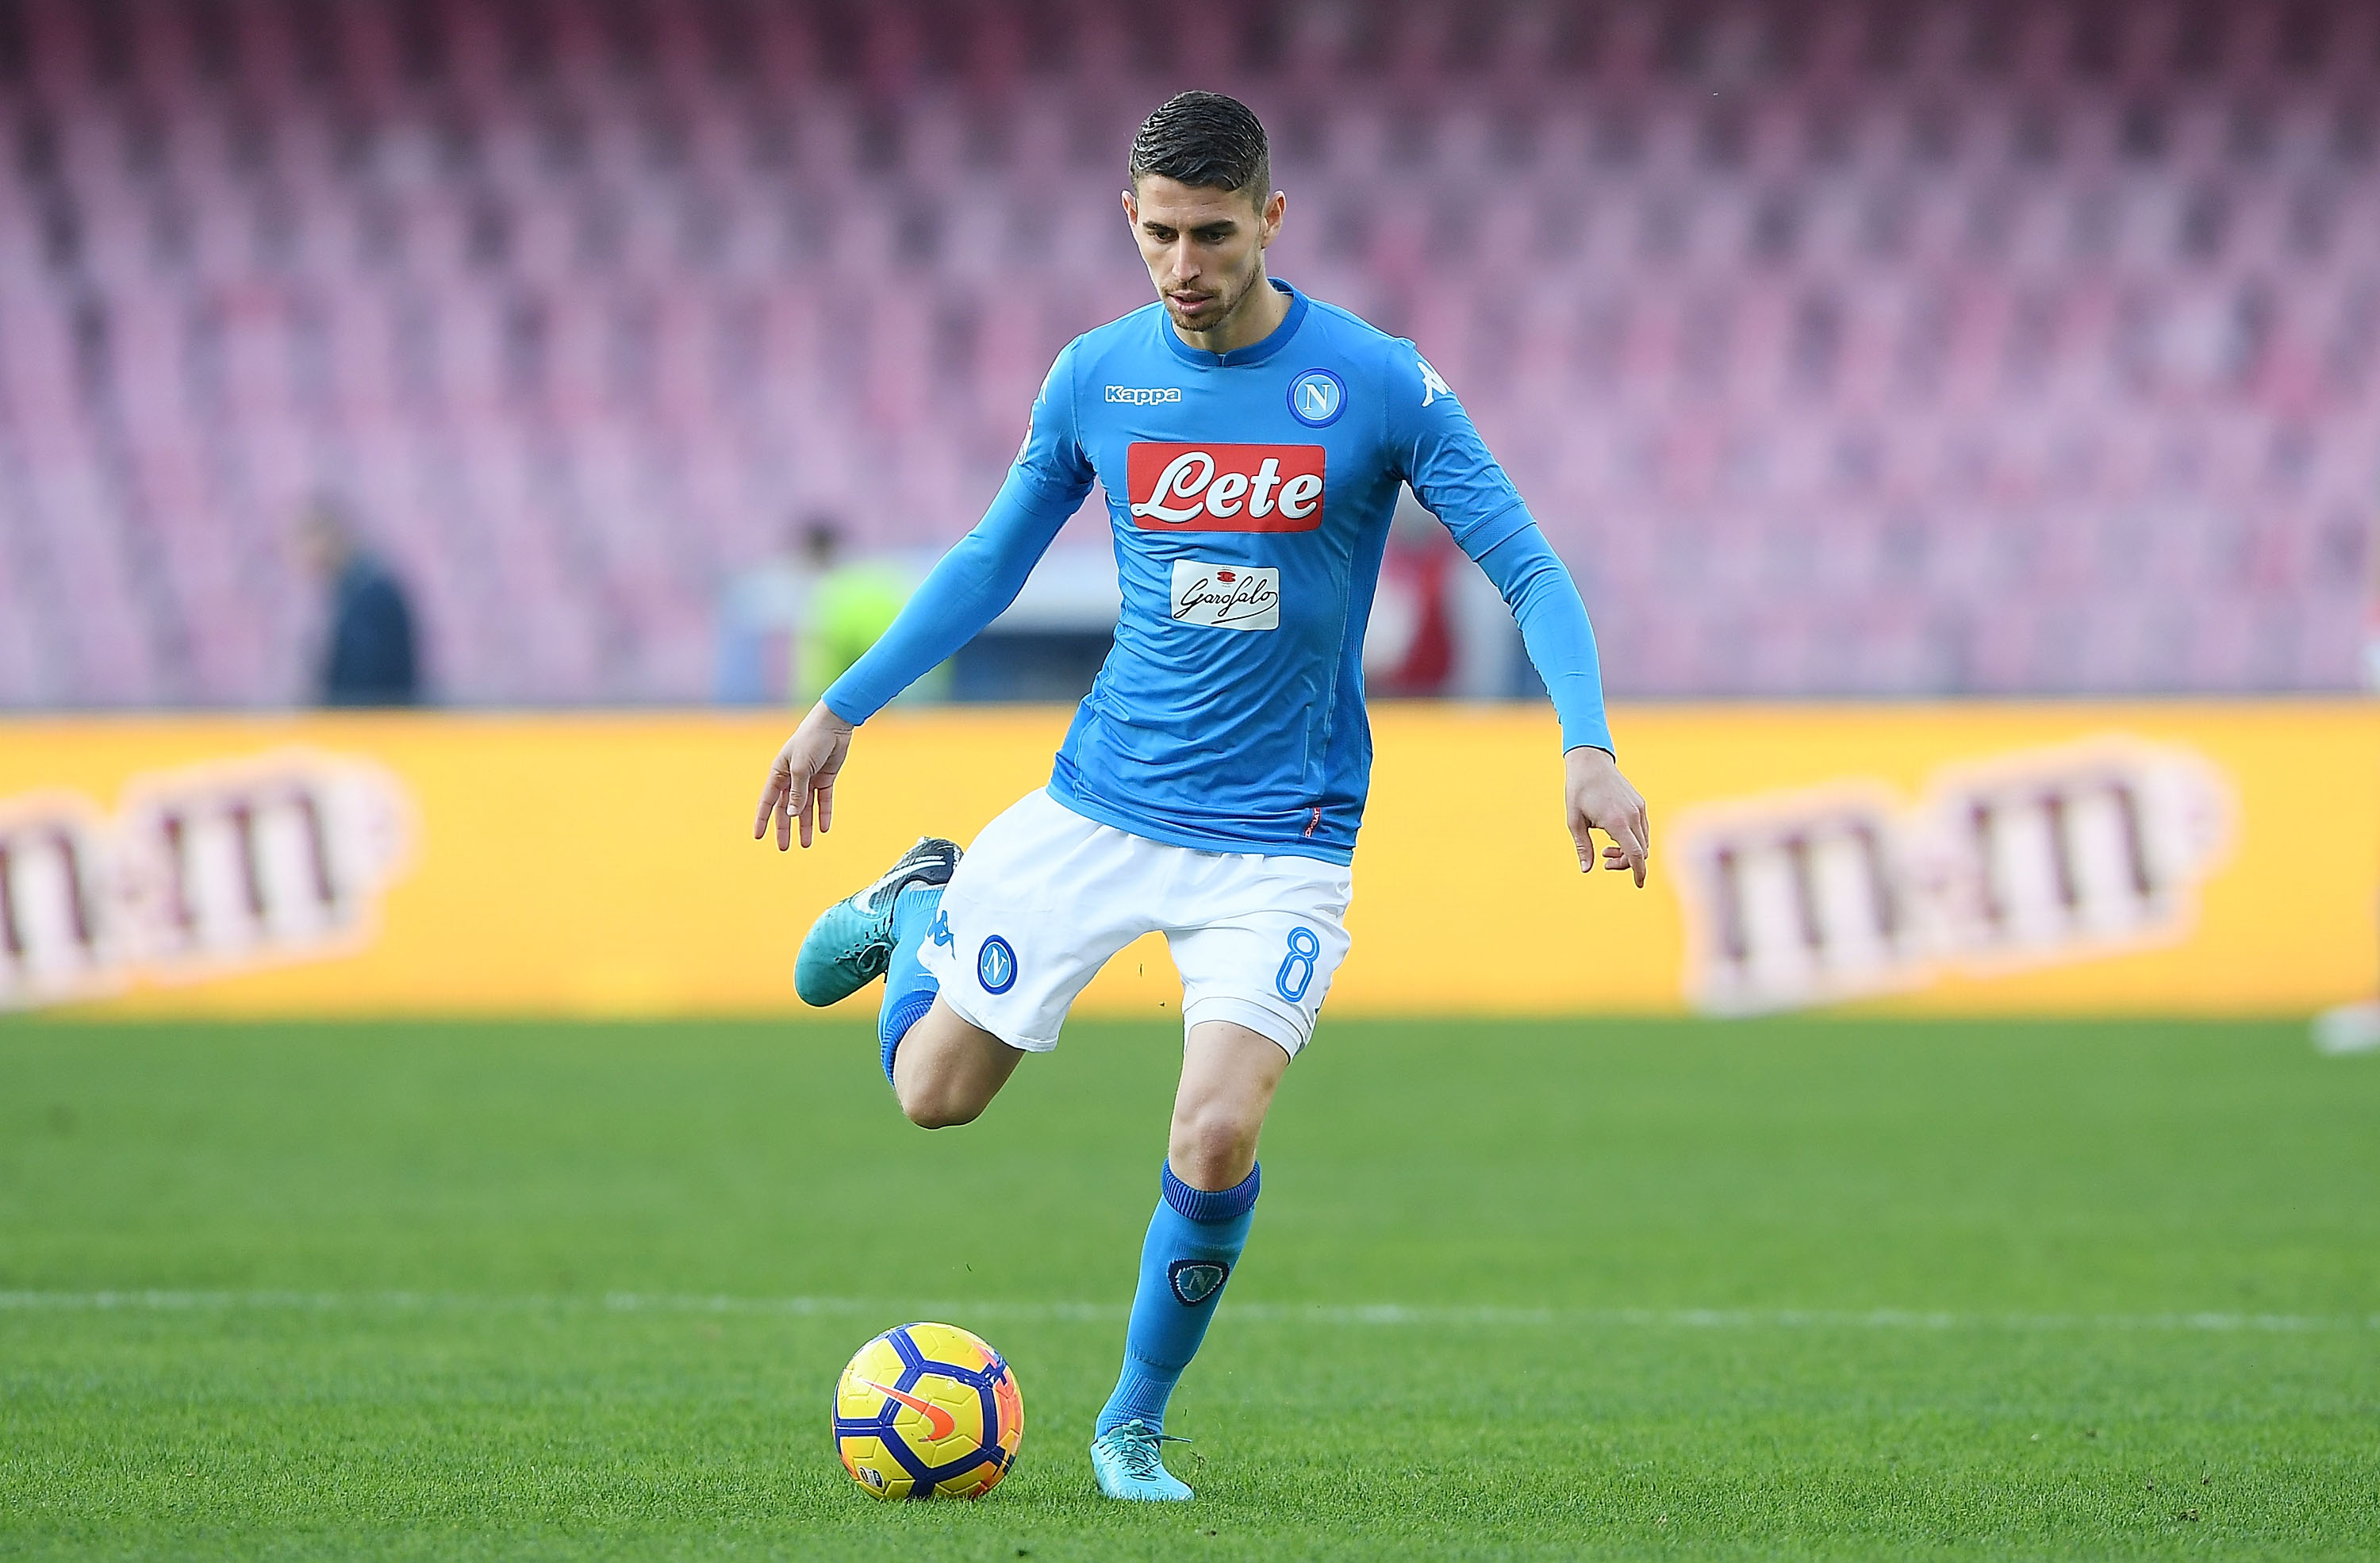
(1297, 967)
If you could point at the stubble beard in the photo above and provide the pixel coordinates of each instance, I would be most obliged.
(1231, 306)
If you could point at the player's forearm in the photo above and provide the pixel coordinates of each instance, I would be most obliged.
(972, 585)
(1555, 629)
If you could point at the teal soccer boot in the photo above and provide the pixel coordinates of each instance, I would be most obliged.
(851, 943)
(1125, 1460)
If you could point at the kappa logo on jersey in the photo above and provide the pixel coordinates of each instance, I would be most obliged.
(1432, 387)
(1244, 596)
(1144, 395)
(1225, 488)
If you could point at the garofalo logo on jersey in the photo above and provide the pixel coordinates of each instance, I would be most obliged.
(1226, 595)
(1224, 488)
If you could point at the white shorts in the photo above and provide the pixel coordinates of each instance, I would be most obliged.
(1045, 897)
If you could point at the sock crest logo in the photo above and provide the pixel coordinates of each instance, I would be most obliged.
(1195, 1280)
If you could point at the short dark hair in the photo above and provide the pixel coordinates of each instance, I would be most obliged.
(1206, 140)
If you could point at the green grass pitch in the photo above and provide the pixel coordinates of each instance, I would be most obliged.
(1815, 1287)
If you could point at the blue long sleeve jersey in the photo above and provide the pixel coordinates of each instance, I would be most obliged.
(1250, 493)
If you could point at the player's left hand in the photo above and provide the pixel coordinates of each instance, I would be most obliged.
(1601, 799)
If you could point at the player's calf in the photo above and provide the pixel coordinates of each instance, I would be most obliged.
(947, 1071)
(1194, 1241)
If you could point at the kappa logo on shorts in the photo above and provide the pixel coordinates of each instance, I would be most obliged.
(995, 965)
(940, 927)
(1195, 1280)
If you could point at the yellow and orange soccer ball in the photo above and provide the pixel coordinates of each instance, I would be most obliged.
(928, 1411)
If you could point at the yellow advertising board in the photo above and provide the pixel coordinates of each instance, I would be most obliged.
(2065, 858)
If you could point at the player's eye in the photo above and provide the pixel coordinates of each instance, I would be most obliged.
(1216, 235)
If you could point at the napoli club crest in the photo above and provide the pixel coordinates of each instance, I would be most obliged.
(1195, 1280)
(995, 965)
(1317, 398)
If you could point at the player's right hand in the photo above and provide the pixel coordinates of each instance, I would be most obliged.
(801, 784)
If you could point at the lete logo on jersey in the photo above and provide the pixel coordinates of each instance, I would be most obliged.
(1224, 488)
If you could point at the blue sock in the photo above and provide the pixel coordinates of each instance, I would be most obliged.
(908, 991)
(1194, 1241)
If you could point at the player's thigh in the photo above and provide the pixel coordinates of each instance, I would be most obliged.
(1041, 900)
(1262, 953)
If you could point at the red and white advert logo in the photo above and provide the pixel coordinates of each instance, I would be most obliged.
(1225, 488)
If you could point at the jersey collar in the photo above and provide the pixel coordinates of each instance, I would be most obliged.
(1254, 352)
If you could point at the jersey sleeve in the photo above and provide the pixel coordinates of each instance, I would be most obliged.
(1051, 464)
(982, 574)
(1453, 475)
(1554, 627)
(1437, 449)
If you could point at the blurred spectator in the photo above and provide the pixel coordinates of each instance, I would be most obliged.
(851, 607)
(369, 657)
(790, 625)
(1409, 641)
(1438, 627)
(762, 615)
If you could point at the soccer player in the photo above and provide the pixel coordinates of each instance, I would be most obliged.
(1252, 441)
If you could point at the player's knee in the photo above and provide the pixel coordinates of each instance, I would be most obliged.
(1212, 1145)
(940, 1115)
(931, 1104)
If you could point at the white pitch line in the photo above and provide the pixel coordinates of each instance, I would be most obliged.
(1374, 1315)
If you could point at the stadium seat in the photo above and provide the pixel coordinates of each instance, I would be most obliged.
(2031, 350)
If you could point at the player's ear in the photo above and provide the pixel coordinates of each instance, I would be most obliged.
(1131, 211)
(1268, 219)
